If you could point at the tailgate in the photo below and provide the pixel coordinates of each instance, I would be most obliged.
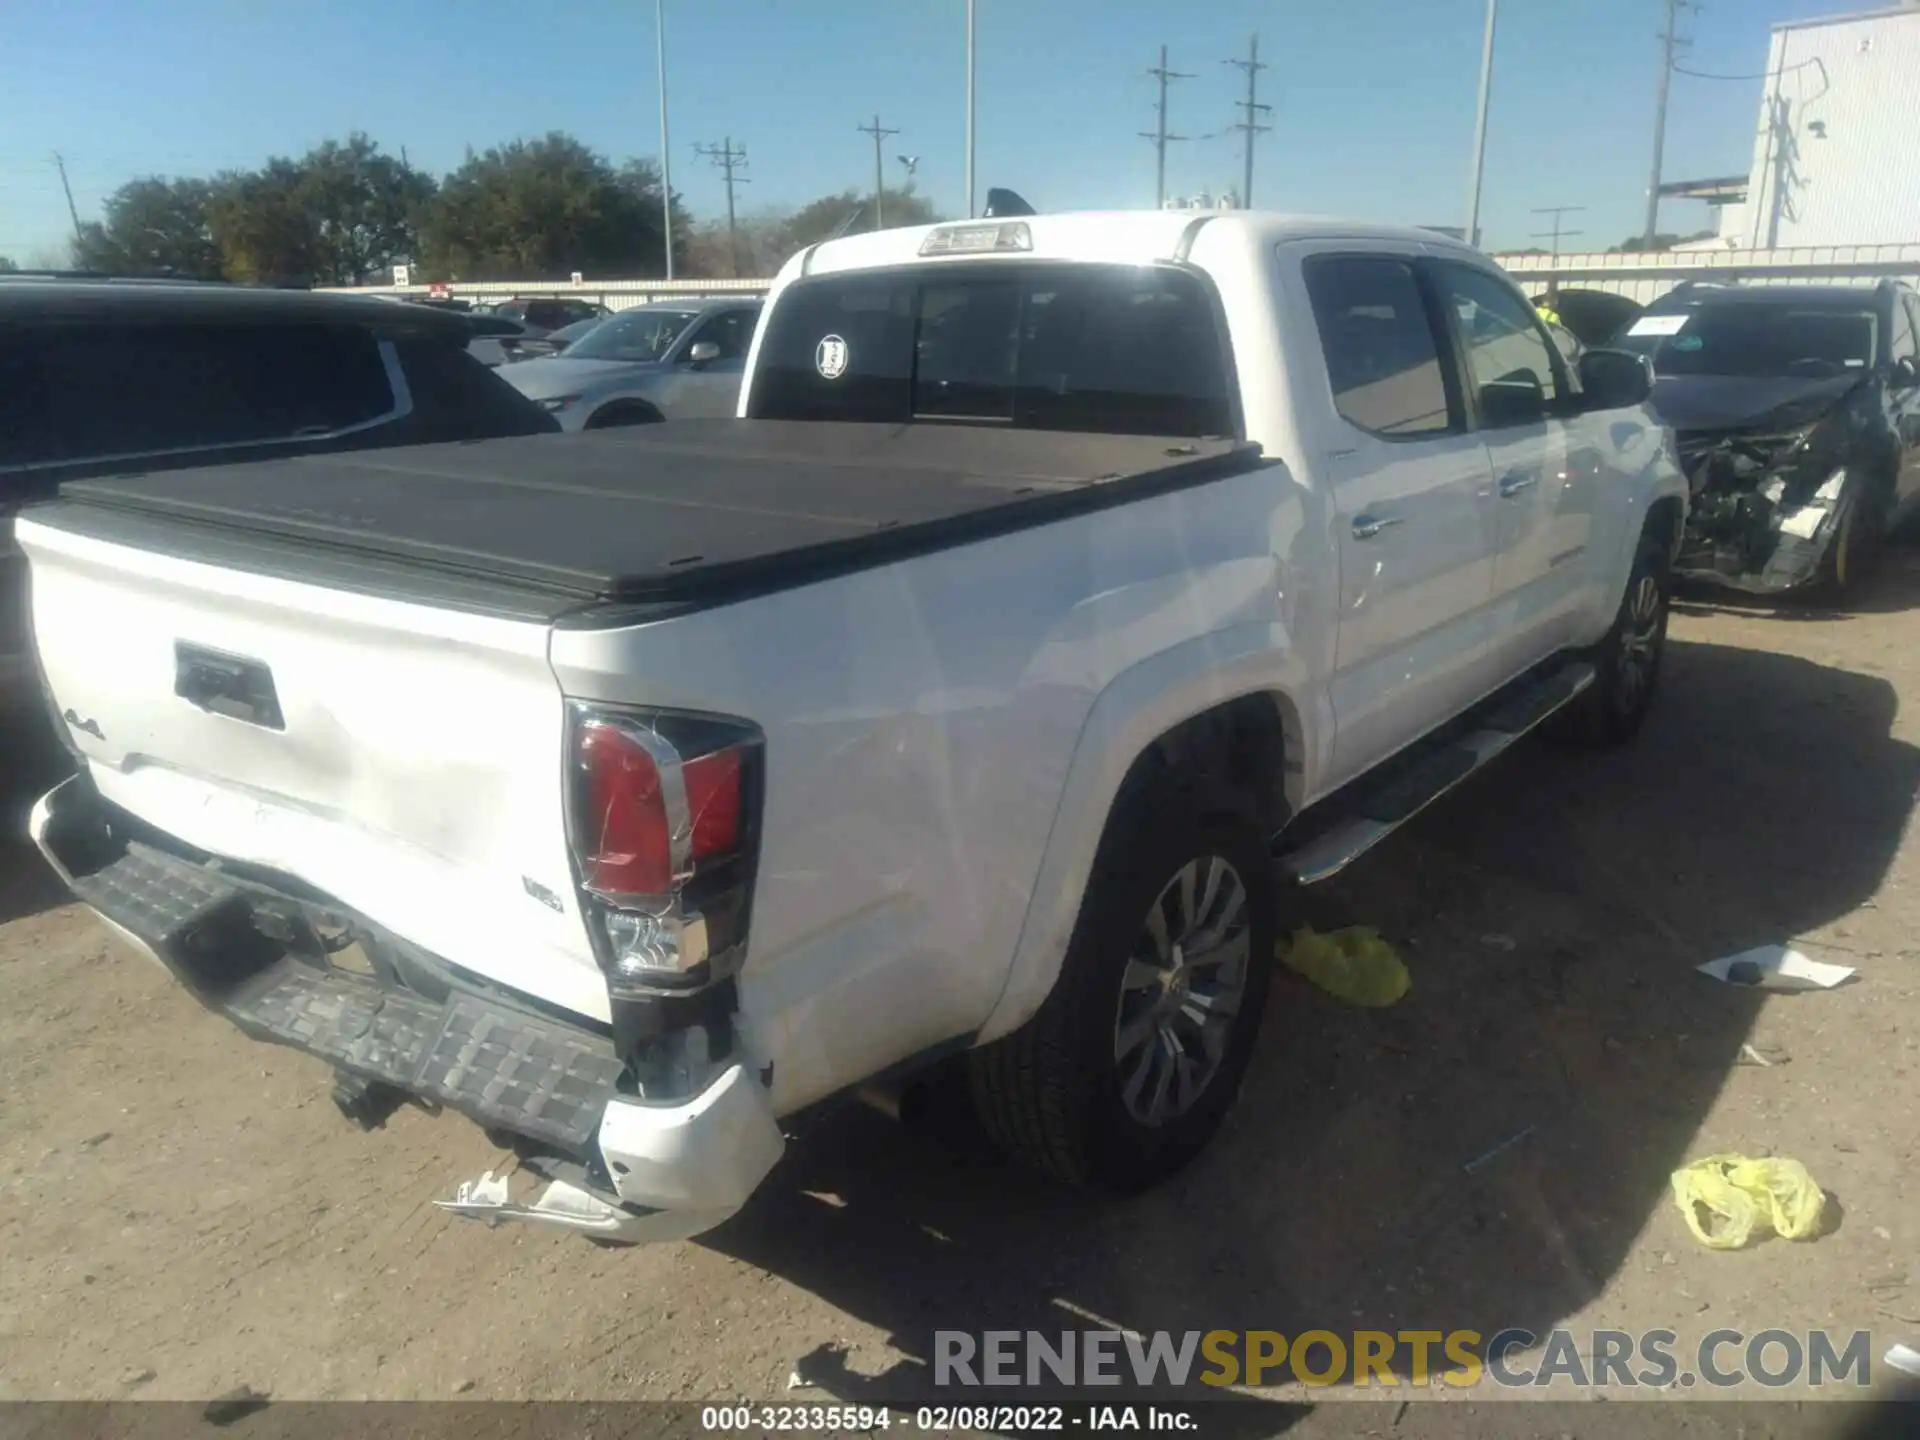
(404, 759)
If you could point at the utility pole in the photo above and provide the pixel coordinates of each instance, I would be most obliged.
(879, 170)
(1660, 122)
(1556, 211)
(728, 159)
(60, 164)
(969, 165)
(666, 151)
(1480, 125)
(1159, 134)
(1251, 125)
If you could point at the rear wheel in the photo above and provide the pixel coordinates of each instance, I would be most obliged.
(1128, 1068)
(1627, 662)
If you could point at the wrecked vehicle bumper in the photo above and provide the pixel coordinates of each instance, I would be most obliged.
(621, 1168)
(1750, 529)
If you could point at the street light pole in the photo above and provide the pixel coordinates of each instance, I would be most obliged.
(666, 154)
(969, 156)
(1480, 126)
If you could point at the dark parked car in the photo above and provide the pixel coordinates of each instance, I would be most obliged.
(542, 315)
(1797, 413)
(102, 376)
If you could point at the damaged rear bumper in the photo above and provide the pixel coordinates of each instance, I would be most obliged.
(634, 1170)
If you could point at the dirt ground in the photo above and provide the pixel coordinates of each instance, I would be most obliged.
(185, 1212)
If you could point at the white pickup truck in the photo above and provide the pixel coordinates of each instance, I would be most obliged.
(1069, 588)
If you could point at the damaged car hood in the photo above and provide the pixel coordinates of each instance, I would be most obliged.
(1740, 402)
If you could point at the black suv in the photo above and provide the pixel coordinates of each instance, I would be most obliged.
(101, 376)
(1797, 414)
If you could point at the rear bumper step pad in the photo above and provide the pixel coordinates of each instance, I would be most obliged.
(500, 1066)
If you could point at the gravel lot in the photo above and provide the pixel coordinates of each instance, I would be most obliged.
(186, 1213)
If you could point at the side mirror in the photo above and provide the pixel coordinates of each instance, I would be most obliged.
(1514, 400)
(1906, 374)
(702, 352)
(1614, 379)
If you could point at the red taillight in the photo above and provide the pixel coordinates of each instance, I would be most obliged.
(626, 834)
(713, 802)
(627, 847)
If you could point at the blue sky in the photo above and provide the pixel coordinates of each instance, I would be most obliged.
(1373, 98)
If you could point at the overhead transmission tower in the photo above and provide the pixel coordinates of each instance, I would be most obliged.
(1159, 134)
(1251, 109)
(1555, 234)
(879, 134)
(727, 158)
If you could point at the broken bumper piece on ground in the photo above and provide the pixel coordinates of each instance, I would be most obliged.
(570, 1207)
(649, 1170)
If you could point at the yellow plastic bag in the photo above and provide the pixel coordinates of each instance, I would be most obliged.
(1353, 964)
(1729, 1200)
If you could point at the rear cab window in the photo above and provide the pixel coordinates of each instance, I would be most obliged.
(1133, 350)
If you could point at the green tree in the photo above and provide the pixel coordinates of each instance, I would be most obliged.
(264, 229)
(851, 211)
(153, 226)
(7, 267)
(364, 207)
(540, 209)
(1634, 244)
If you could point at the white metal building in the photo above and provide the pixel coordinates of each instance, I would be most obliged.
(1836, 158)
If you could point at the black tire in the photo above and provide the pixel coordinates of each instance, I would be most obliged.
(621, 413)
(1856, 545)
(1054, 1093)
(1627, 662)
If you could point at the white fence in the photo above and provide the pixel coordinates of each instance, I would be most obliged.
(1648, 277)
(1639, 277)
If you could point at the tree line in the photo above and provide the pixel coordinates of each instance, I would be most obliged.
(347, 211)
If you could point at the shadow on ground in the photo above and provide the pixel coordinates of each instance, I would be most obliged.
(31, 762)
(1551, 912)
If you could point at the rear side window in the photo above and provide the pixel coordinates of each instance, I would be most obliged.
(1101, 348)
(81, 391)
(1383, 357)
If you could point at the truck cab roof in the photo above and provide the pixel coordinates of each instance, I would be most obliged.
(1135, 237)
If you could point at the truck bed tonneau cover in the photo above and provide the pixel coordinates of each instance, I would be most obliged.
(688, 510)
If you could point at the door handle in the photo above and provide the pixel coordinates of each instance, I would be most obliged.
(1365, 527)
(1514, 482)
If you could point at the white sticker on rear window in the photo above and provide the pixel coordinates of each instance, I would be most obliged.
(1659, 325)
(830, 357)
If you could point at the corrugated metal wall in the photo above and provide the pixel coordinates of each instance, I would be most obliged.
(1836, 156)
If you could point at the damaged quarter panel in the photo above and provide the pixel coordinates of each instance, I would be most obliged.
(920, 721)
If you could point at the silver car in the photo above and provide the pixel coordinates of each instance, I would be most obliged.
(645, 364)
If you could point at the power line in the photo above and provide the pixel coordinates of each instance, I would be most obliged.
(61, 165)
(1159, 134)
(728, 159)
(1251, 126)
(1763, 75)
(879, 171)
(1556, 211)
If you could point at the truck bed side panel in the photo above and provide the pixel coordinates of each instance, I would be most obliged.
(920, 720)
